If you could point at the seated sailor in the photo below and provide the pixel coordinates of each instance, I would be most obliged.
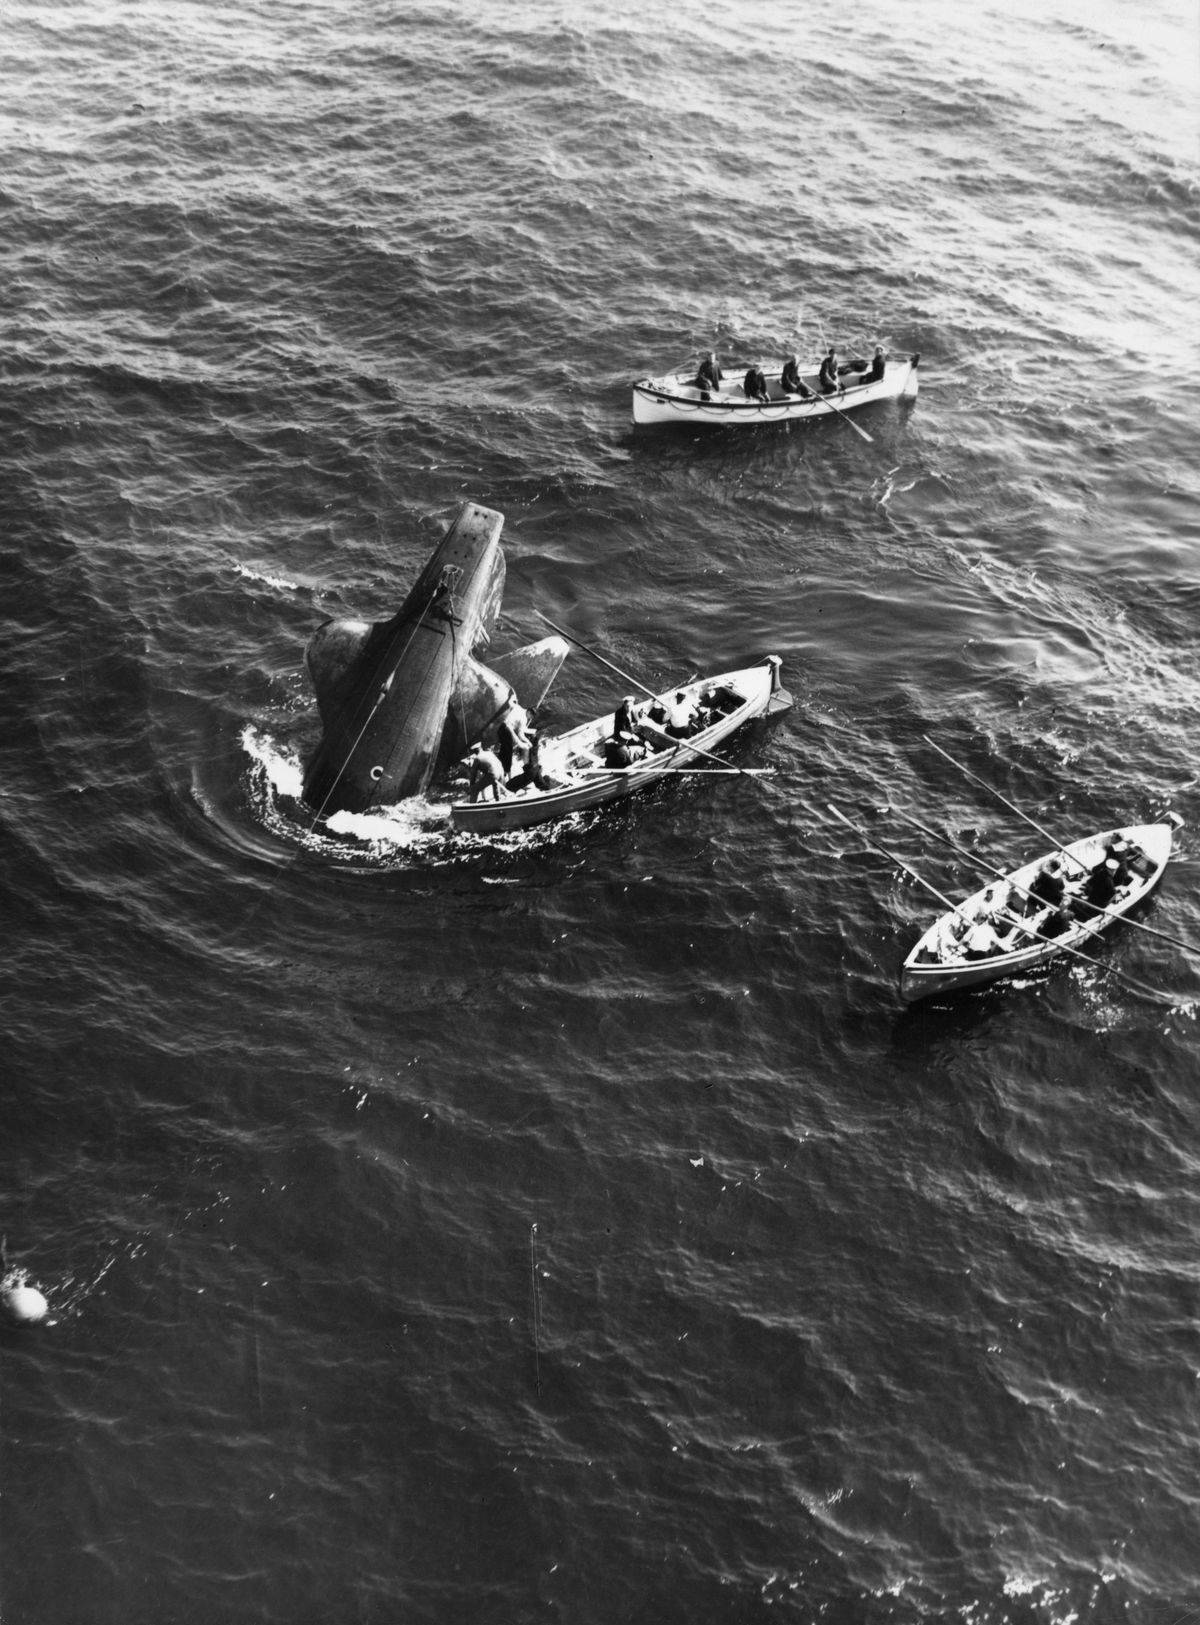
(827, 378)
(680, 716)
(754, 385)
(1119, 851)
(1056, 921)
(1047, 886)
(790, 380)
(1131, 856)
(946, 944)
(1099, 889)
(992, 925)
(877, 368)
(982, 941)
(706, 709)
(621, 751)
(625, 721)
(1122, 874)
(708, 374)
(726, 699)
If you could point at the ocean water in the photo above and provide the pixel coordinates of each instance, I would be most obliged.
(577, 1227)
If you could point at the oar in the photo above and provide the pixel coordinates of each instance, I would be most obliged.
(696, 750)
(972, 857)
(694, 772)
(625, 677)
(1099, 964)
(1176, 942)
(824, 399)
(908, 869)
(983, 784)
(588, 650)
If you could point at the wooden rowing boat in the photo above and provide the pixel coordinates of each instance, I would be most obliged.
(574, 763)
(931, 969)
(675, 399)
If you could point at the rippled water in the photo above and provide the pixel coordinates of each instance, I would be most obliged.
(577, 1226)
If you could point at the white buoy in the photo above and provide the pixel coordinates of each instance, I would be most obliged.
(22, 1303)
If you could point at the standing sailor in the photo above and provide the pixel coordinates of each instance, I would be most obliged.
(512, 736)
(487, 775)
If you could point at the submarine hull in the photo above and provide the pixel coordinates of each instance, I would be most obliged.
(385, 690)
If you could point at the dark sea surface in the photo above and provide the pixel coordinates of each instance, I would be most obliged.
(577, 1227)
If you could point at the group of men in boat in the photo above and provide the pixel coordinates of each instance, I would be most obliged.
(638, 731)
(1063, 894)
(515, 762)
(831, 376)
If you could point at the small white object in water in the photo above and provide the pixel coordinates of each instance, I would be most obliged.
(22, 1303)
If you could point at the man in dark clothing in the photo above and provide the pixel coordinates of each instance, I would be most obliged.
(708, 375)
(1116, 851)
(621, 753)
(790, 380)
(827, 379)
(506, 745)
(1056, 923)
(625, 721)
(754, 385)
(1047, 886)
(1130, 858)
(876, 370)
(1099, 889)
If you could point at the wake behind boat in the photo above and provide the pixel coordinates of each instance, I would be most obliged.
(1026, 929)
(573, 771)
(678, 397)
